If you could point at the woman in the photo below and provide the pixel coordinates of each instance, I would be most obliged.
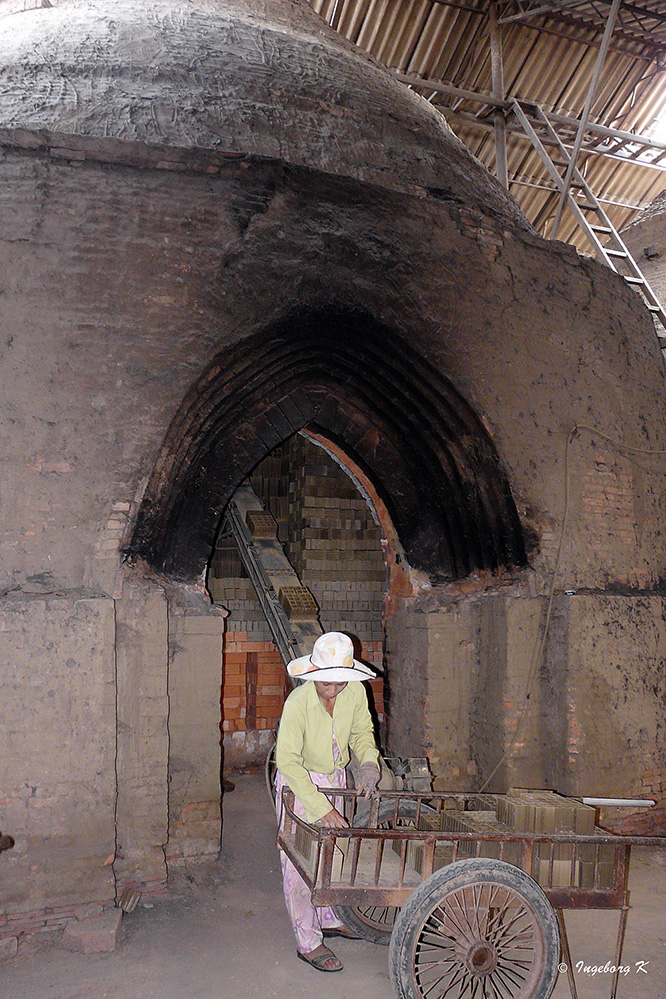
(320, 723)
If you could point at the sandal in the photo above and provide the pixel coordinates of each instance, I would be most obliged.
(318, 958)
(339, 931)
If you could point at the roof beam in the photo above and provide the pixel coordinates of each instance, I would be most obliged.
(534, 9)
(523, 181)
(602, 140)
(636, 24)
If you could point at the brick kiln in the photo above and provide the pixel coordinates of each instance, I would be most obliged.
(221, 225)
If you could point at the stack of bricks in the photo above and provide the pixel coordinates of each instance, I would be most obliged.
(47, 920)
(482, 822)
(335, 545)
(253, 684)
(225, 568)
(555, 863)
(270, 481)
(377, 688)
(233, 682)
(245, 614)
(329, 536)
(265, 685)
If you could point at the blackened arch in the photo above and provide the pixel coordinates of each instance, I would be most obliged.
(356, 382)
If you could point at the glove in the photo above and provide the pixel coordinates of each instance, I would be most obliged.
(368, 778)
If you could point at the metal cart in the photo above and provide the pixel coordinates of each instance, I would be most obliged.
(466, 914)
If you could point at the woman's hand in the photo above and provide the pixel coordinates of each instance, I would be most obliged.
(368, 778)
(333, 820)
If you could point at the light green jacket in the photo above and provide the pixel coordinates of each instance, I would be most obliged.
(305, 740)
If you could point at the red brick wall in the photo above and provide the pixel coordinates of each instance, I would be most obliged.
(253, 683)
(265, 685)
(645, 821)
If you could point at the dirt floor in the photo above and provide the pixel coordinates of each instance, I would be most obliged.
(224, 933)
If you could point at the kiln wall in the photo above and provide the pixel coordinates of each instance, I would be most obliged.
(134, 281)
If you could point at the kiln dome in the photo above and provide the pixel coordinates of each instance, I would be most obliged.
(257, 78)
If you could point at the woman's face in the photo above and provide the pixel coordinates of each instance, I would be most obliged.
(328, 691)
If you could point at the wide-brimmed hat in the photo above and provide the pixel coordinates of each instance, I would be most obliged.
(332, 661)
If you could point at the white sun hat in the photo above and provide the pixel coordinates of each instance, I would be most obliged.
(332, 661)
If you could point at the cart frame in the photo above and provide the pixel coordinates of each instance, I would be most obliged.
(371, 874)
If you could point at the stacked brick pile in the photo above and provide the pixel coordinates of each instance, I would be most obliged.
(265, 686)
(253, 684)
(335, 546)
(522, 811)
(377, 688)
(547, 812)
(270, 481)
(252, 666)
(53, 918)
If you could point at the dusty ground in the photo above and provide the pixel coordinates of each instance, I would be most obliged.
(224, 933)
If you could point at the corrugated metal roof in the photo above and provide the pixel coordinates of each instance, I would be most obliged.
(549, 52)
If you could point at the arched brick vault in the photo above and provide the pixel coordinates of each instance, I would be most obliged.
(354, 380)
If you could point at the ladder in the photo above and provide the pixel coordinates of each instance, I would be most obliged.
(607, 242)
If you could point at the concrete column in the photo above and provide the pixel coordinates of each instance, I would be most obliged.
(57, 748)
(195, 679)
(406, 660)
(143, 743)
(453, 681)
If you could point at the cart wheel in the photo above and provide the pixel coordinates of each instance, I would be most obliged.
(375, 922)
(270, 768)
(478, 929)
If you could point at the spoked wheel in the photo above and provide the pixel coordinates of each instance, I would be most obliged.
(375, 922)
(270, 770)
(478, 929)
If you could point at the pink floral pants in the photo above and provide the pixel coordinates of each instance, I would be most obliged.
(307, 920)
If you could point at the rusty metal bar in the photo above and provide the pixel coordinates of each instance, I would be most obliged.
(403, 862)
(618, 949)
(356, 852)
(566, 953)
(378, 859)
(429, 856)
(325, 865)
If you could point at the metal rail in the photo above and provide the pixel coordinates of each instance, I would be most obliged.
(278, 622)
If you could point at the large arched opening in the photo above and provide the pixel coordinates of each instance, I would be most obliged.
(352, 379)
(420, 454)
